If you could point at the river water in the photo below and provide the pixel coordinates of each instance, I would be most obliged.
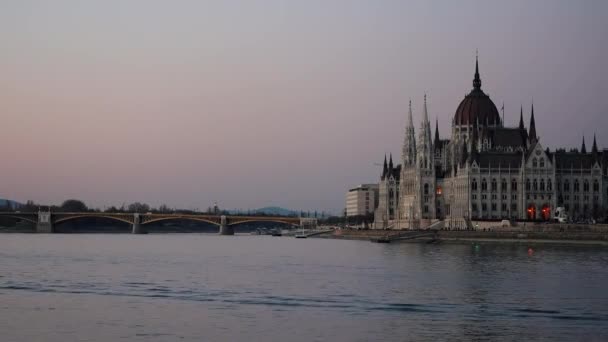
(202, 287)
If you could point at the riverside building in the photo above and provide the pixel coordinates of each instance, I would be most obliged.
(362, 200)
(487, 171)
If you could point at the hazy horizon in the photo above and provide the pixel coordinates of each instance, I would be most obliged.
(260, 103)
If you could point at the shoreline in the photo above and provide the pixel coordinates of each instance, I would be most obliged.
(462, 238)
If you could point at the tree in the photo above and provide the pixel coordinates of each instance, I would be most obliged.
(73, 205)
(164, 209)
(138, 208)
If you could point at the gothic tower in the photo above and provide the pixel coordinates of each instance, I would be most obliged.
(425, 172)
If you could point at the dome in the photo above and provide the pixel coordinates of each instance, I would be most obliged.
(477, 106)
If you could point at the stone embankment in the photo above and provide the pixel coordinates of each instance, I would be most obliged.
(557, 233)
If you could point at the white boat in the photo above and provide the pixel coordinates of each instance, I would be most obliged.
(301, 234)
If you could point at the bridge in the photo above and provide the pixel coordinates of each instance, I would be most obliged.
(46, 220)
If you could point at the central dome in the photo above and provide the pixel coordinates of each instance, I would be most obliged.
(477, 107)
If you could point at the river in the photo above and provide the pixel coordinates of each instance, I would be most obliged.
(203, 287)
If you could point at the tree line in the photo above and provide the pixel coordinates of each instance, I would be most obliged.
(76, 205)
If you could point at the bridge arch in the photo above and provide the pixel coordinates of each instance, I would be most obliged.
(198, 219)
(23, 218)
(261, 219)
(75, 217)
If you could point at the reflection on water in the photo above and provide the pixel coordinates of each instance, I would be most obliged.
(208, 287)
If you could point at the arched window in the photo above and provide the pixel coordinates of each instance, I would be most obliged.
(527, 184)
(534, 163)
(494, 184)
(576, 186)
(549, 185)
(514, 184)
(503, 185)
(474, 184)
(586, 185)
(426, 188)
(566, 185)
(484, 185)
(596, 186)
(542, 162)
(542, 185)
(534, 185)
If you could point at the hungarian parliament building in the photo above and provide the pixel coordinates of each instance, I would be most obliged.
(487, 171)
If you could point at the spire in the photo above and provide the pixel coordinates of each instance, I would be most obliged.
(424, 156)
(477, 79)
(521, 118)
(385, 168)
(408, 154)
(436, 142)
(425, 112)
(390, 164)
(594, 148)
(410, 120)
(583, 148)
(532, 133)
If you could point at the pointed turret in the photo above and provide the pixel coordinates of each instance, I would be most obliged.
(436, 142)
(583, 148)
(477, 79)
(425, 144)
(390, 165)
(594, 147)
(408, 154)
(385, 168)
(521, 118)
(532, 138)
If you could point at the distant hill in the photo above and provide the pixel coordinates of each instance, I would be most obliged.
(13, 203)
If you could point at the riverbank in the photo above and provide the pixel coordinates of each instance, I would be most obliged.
(471, 236)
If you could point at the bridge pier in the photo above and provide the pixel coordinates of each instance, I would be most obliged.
(44, 224)
(225, 229)
(137, 227)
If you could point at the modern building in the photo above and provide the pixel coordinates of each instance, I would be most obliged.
(487, 171)
(362, 200)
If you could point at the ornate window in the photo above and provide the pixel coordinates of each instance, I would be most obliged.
(426, 188)
(514, 184)
(586, 185)
(494, 184)
(596, 186)
(542, 162)
(542, 185)
(534, 185)
(577, 187)
(484, 185)
(549, 185)
(534, 163)
(474, 184)
(566, 185)
(503, 185)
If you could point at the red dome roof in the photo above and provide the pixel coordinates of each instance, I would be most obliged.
(477, 106)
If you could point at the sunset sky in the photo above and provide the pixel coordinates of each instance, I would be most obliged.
(255, 103)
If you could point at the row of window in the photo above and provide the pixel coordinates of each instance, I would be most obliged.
(494, 196)
(493, 184)
(494, 206)
(596, 185)
(535, 185)
(536, 163)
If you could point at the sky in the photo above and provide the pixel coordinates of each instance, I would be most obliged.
(254, 103)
